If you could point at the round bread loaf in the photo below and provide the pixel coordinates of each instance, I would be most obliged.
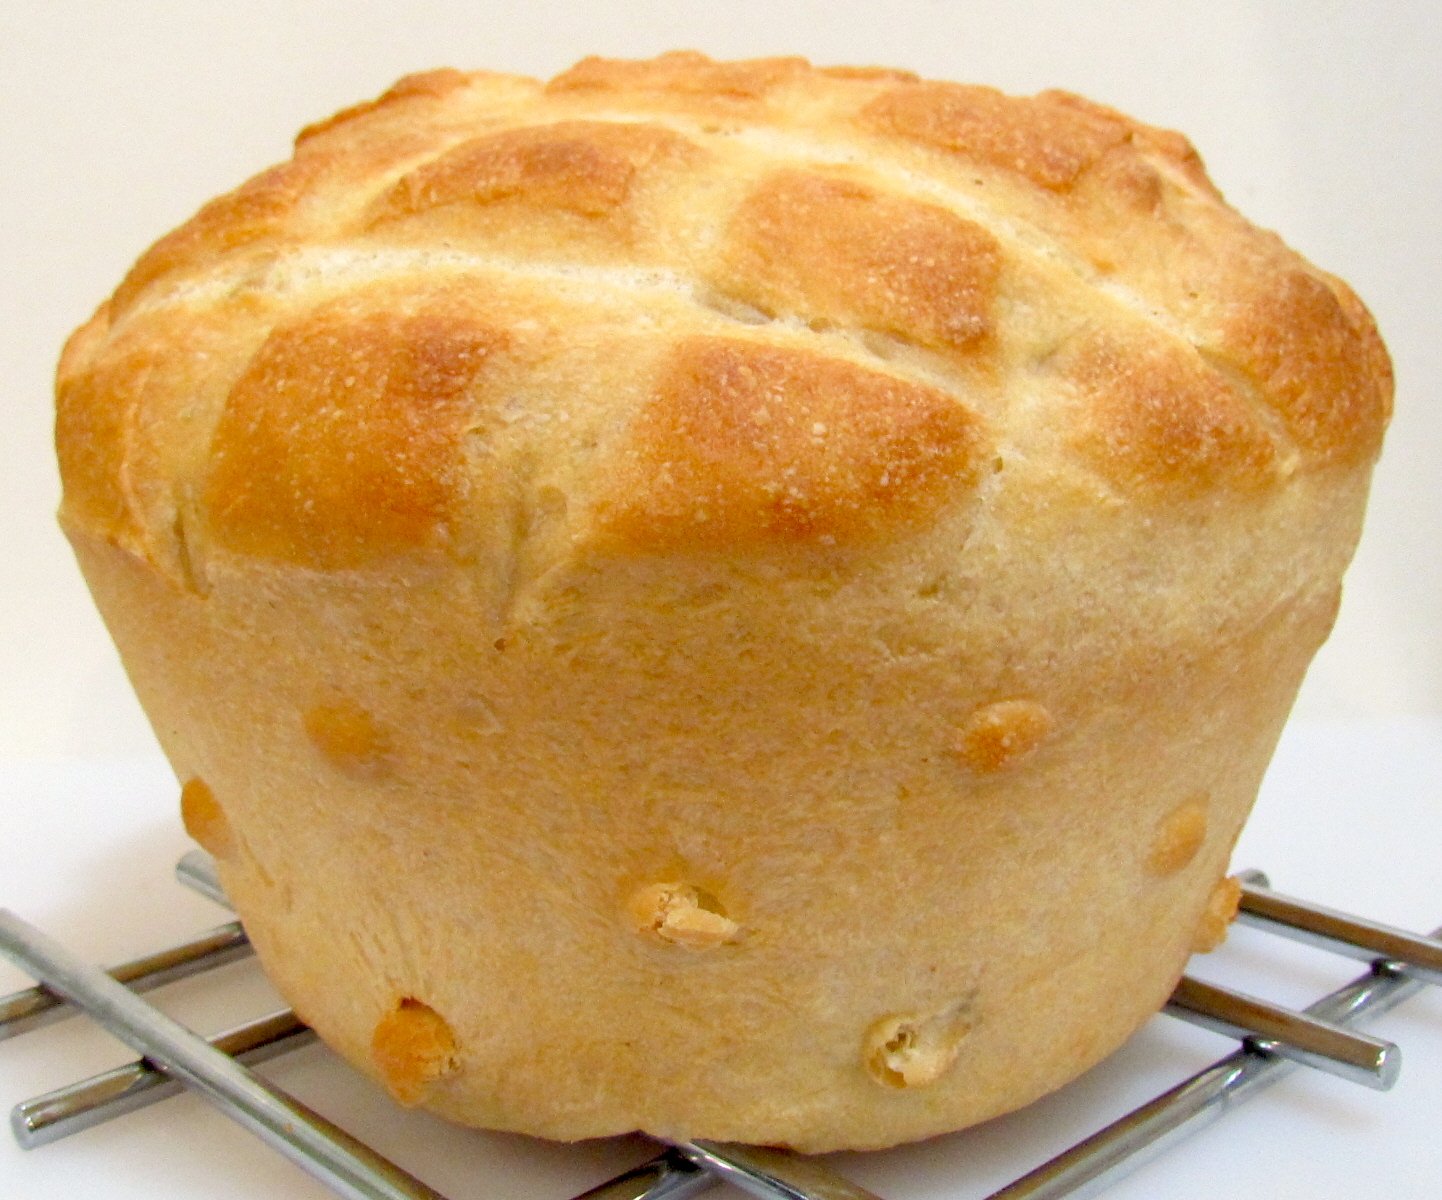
(736, 600)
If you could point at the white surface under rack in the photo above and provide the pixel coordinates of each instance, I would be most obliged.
(89, 863)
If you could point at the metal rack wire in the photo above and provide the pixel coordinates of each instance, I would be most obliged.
(1274, 1040)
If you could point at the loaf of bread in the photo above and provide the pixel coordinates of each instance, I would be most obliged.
(736, 600)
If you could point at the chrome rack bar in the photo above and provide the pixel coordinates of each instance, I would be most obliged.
(36, 1006)
(90, 1102)
(1322, 1045)
(772, 1174)
(668, 1176)
(196, 870)
(1137, 1138)
(1336, 931)
(323, 1150)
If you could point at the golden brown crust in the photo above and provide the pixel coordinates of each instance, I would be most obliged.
(681, 72)
(1316, 357)
(267, 214)
(746, 444)
(256, 211)
(422, 85)
(343, 441)
(1043, 139)
(92, 417)
(883, 74)
(585, 167)
(1158, 416)
(1175, 147)
(797, 572)
(832, 250)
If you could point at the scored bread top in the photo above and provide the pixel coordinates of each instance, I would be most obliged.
(688, 306)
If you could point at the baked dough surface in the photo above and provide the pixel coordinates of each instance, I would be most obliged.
(740, 600)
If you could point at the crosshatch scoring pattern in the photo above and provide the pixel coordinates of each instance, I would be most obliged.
(748, 226)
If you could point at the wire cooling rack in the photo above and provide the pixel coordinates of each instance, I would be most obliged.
(1273, 1040)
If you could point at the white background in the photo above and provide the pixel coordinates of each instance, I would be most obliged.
(1318, 119)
